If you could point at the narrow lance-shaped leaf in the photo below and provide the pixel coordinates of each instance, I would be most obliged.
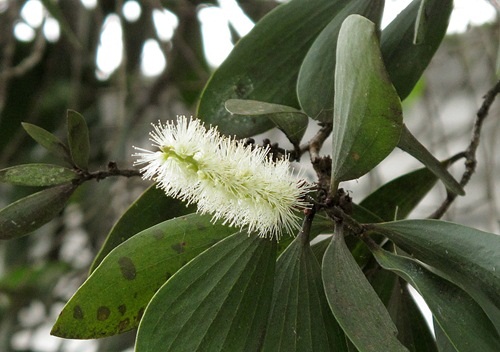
(78, 139)
(291, 121)
(367, 117)
(465, 256)
(114, 297)
(48, 141)
(219, 301)
(404, 60)
(258, 69)
(40, 175)
(300, 318)
(31, 212)
(412, 146)
(151, 208)
(354, 303)
(315, 85)
(458, 315)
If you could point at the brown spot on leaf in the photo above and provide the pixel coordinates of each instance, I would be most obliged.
(355, 156)
(123, 325)
(179, 247)
(127, 268)
(122, 309)
(103, 313)
(139, 314)
(78, 312)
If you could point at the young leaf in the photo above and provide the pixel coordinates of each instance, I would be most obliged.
(367, 117)
(258, 69)
(48, 141)
(151, 208)
(412, 146)
(353, 301)
(315, 85)
(114, 297)
(405, 61)
(300, 319)
(78, 139)
(458, 315)
(218, 302)
(40, 175)
(31, 212)
(467, 257)
(291, 121)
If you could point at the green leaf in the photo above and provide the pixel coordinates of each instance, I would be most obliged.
(151, 208)
(458, 315)
(405, 61)
(114, 297)
(412, 146)
(31, 212)
(421, 23)
(37, 175)
(48, 141)
(367, 117)
(218, 302)
(467, 257)
(300, 319)
(291, 121)
(264, 65)
(78, 139)
(353, 301)
(413, 330)
(442, 341)
(315, 85)
(397, 198)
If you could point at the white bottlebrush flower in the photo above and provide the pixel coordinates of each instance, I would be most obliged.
(236, 183)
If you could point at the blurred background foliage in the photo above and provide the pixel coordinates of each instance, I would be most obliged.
(47, 68)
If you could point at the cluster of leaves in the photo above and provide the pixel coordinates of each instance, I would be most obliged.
(189, 284)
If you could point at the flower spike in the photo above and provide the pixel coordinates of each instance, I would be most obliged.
(237, 184)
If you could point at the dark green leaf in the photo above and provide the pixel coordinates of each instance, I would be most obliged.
(265, 63)
(458, 315)
(421, 23)
(31, 212)
(405, 61)
(467, 257)
(315, 85)
(300, 318)
(444, 344)
(218, 302)
(397, 198)
(291, 121)
(48, 141)
(78, 139)
(413, 330)
(114, 297)
(37, 175)
(367, 115)
(412, 146)
(354, 303)
(151, 208)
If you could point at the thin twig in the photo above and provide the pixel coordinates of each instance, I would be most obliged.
(317, 141)
(470, 152)
(112, 170)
